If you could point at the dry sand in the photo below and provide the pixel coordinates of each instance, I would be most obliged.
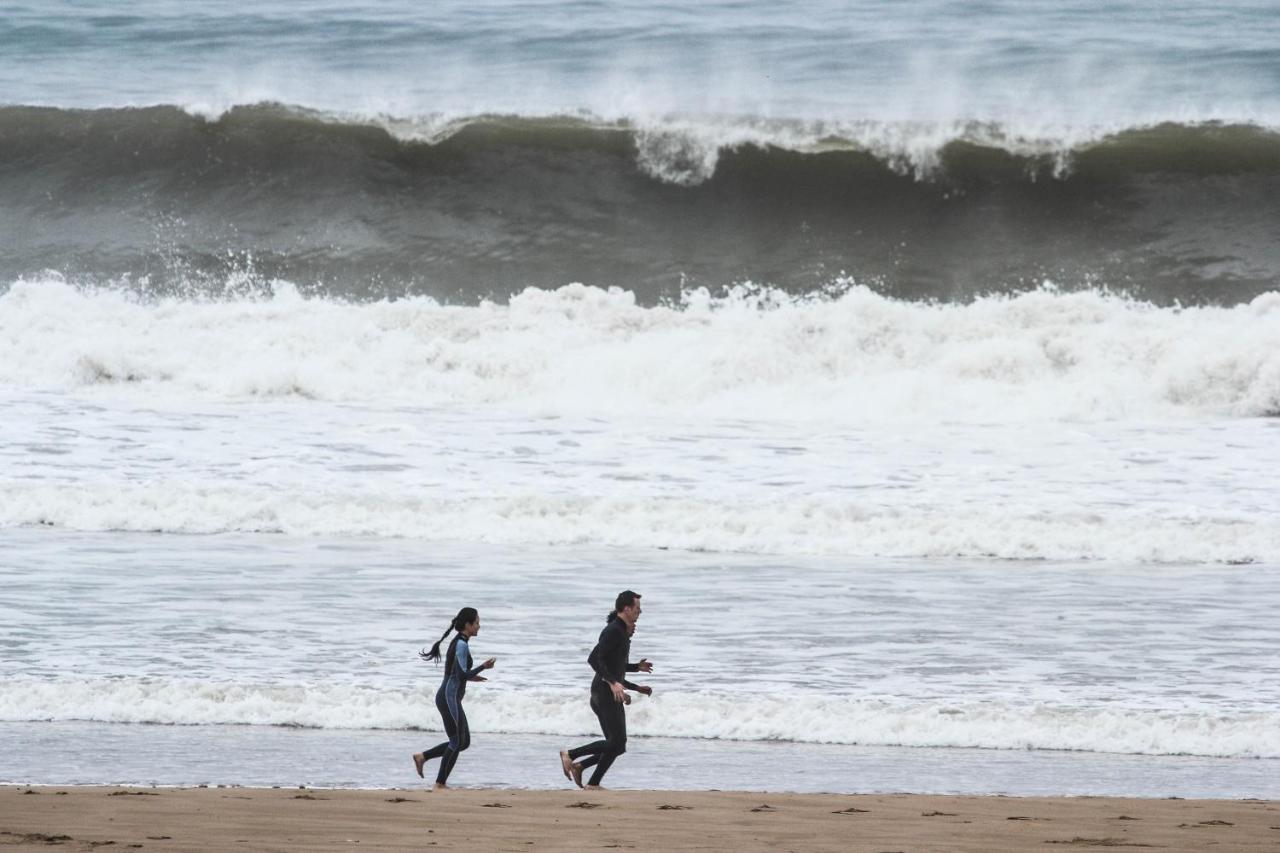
(240, 819)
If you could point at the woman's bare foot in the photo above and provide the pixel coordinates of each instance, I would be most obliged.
(576, 770)
(565, 763)
(418, 760)
(440, 786)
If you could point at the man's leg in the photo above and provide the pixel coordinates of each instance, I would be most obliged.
(596, 747)
(613, 720)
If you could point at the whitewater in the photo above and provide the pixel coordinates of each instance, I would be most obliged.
(849, 424)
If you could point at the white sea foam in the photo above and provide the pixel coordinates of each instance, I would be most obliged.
(1041, 426)
(813, 718)
(819, 525)
(859, 357)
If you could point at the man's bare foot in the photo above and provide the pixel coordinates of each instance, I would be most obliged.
(565, 763)
(576, 769)
(418, 760)
(592, 788)
(440, 786)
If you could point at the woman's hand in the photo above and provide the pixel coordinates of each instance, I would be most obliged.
(644, 666)
(478, 678)
(489, 663)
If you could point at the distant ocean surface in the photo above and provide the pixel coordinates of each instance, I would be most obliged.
(932, 347)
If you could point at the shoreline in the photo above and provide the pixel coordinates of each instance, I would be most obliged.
(52, 753)
(477, 819)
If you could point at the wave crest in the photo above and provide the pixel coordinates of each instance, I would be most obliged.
(467, 208)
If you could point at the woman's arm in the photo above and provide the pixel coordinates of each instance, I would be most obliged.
(460, 661)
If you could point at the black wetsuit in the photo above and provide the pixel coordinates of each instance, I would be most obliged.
(457, 672)
(609, 660)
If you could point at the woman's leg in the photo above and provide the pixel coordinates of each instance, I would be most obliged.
(439, 750)
(459, 737)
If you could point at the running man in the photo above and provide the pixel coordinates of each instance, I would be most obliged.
(457, 672)
(609, 688)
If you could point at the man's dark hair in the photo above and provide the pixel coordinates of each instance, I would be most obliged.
(625, 599)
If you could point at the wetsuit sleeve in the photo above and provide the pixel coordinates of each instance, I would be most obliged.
(633, 667)
(462, 657)
(629, 685)
(607, 643)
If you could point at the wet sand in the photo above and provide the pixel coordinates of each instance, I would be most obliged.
(239, 819)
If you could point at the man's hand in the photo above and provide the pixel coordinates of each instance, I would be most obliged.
(619, 694)
(645, 689)
(644, 666)
(478, 678)
(490, 662)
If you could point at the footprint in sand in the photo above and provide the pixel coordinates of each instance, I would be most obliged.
(1099, 842)
(36, 837)
(764, 807)
(667, 808)
(851, 810)
(583, 805)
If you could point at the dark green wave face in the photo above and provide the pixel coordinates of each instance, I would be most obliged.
(487, 206)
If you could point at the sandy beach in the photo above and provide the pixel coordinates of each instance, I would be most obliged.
(218, 819)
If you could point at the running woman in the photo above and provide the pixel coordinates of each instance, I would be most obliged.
(609, 688)
(457, 672)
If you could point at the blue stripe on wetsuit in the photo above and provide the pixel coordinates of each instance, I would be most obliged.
(455, 687)
(462, 672)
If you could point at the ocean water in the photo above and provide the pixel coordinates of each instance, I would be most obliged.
(918, 365)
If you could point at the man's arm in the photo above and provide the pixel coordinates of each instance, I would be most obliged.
(638, 688)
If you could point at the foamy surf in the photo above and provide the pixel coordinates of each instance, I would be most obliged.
(857, 357)
(795, 717)
(796, 525)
